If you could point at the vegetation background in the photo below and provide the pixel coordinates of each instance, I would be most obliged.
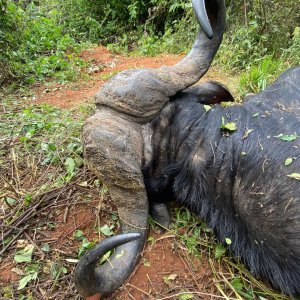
(42, 171)
(40, 39)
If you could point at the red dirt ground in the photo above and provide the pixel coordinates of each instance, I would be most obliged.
(103, 65)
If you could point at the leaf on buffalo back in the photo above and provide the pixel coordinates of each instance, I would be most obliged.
(119, 255)
(246, 134)
(295, 176)
(288, 161)
(231, 126)
(207, 107)
(228, 241)
(286, 137)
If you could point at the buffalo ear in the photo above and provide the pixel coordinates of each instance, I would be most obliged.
(210, 92)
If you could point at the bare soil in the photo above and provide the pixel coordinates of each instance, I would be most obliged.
(104, 65)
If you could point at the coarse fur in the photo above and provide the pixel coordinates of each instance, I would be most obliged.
(237, 181)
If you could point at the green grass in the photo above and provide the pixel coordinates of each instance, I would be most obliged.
(259, 75)
(231, 278)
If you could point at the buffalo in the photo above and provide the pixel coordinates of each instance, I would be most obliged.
(153, 140)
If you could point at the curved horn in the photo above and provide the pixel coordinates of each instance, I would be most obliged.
(113, 147)
(88, 279)
(201, 14)
(141, 94)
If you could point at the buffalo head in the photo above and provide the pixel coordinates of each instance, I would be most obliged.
(115, 146)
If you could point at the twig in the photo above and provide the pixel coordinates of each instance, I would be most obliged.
(35, 245)
(13, 239)
(193, 293)
(139, 289)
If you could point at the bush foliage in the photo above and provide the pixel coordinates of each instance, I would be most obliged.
(39, 38)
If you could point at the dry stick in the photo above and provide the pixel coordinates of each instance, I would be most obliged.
(17, 194)
(68, 205)
(154, 289)
(191, 272)
(28, 214)
(139, 289)
(13, 239)
(130, 296)
(192, 293)
(20, 220)
(35, 245)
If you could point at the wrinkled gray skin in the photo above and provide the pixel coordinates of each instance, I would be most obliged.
(116, 150)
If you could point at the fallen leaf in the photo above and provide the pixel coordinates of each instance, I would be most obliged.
(288, 161)
(286, 137)
(219, 251)
(295, 176)
(228, 241)
(119, 255)
(24, 255)
(207, 107)
(246, 134)
(18, 271)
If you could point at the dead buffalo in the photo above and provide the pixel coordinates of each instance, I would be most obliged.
(152, 140)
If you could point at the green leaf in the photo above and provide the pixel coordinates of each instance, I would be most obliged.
(24, 255)
(44, 147)
(114, 217)
(106, 230)
(86, 244)
(231, 126)
(288, 161)
(146, 263)
(228, 241)
(79, 235)
(169, 278)
(31, 274)
(186, 296)
(119, 255)
(46, 248)
(10, 201)
(237, 284)
(295, 176)
(52, 146)
(105, 257)
(219, 251)
(207, 107)
(70, 165)
(24, 281)
(286, 137)
(151, 239)
(255, 115)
